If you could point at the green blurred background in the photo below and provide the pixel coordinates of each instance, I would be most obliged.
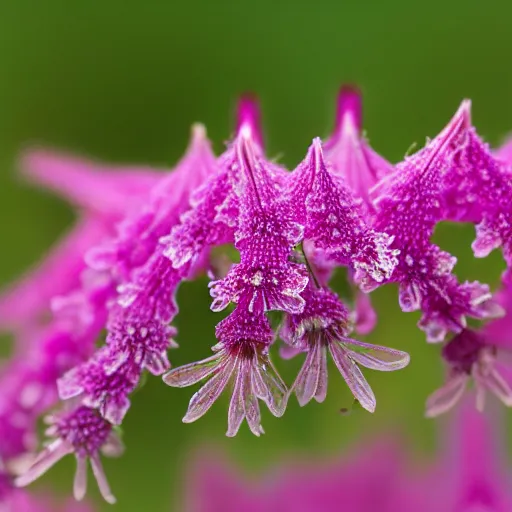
(122, 81)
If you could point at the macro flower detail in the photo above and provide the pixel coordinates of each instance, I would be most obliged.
(324, 327)
(99, 313)
(409, 203)
(241, 359)
(213, 217)
(478, 189)
(335, 224)
(349, 154)
(265, 237)
(84, 433)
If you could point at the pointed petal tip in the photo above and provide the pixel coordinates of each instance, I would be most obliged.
(249, 117)
(349, 103)
(198, 132)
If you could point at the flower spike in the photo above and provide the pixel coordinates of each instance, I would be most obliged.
(334, 222)
(409, 203)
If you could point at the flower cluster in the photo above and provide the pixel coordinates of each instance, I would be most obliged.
(141, 233)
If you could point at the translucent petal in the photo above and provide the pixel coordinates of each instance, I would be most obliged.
(447, 396)
(321, 390)
(252, 407)
(306, 383)
(206, 396)
(276, 392)
(101, 479)
(495, 383)
(80, 481)
(194, 372)
(377, 357)
(353, 377)
(48, 457)
(236, 413)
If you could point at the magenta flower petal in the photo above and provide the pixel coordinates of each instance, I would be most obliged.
(335, 223)
(409, 203)
(95, 187)
(349, 153)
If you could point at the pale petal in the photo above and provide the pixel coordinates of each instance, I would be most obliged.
(276, 395)
(80, 481)
(113, 447)
(236, 413)
(306, 383)
(252, 407)
(447, 396)
(48, 457)
(206, 396)
(194, 372)
(377, 357)
(353, 377)
(101, 479)
(321, 390)
(497, 385)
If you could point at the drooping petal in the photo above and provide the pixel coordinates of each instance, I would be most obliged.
(80, 480)
(101, 479)
(491, 380)
(272, 387)
(353, 377)
(48, 458)
(307, 381)
(208, 394)
(376, 357)
(447, 396)
(236, 413)
(194, 372)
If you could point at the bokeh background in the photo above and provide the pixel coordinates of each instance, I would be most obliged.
(122, 81)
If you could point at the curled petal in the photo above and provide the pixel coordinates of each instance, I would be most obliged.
(447, 396)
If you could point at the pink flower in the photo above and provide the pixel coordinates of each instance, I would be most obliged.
(84, 433)
(409, 204)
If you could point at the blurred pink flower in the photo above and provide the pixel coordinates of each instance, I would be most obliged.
(466, 476)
